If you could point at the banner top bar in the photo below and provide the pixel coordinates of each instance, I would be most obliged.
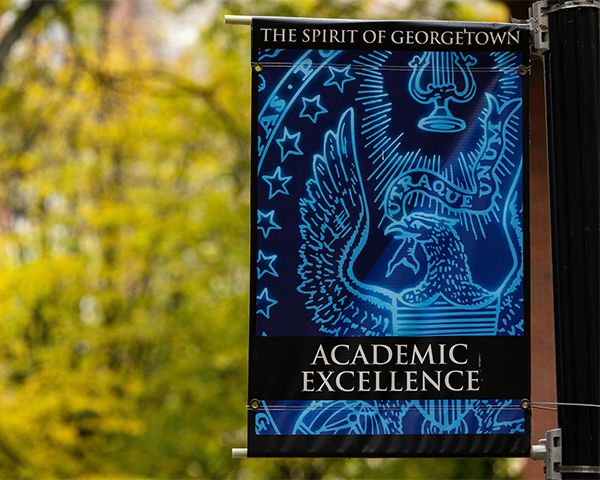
(238, 20)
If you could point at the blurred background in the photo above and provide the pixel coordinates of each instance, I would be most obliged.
(125, 238)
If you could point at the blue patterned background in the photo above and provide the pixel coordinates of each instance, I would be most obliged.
(394, 417)
(357, 204)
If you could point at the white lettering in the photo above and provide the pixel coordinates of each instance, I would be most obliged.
(402, 354)
(369, 36)
(363, 381)
(416, 353)
(410, 380)
(375, 357)
(446, 41)
(471, 380)
(338, 381)
(378, 383)
(334, 356)
(469, 34)
(397, 37)
(393, 382)
(306, 381)
(360, 354)
(266, 30)
(281, 35)
(424, 37)
(451, 353)
(435, 385)
(320, 355)
(485, 38)
(447, 380)
(497, 37)
(325, 380)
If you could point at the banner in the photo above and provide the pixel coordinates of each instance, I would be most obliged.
(389, 307)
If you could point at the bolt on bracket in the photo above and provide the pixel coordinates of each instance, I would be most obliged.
(538, 20)
(538, 23)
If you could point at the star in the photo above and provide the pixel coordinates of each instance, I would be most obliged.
(277, 183)
(339, 76)
(289, 144)
(266, 223)
(314, 105)
(264, 303)
(262, 258)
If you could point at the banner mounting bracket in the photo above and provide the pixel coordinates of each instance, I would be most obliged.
(549, 450)
(538, 22)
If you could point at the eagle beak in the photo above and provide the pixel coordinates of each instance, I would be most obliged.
(397, 229)
(393, 228)
(405, 255)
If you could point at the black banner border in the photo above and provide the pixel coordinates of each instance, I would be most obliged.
(500, 445)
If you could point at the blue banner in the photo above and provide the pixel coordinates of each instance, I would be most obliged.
(391, 417)
(389, 188)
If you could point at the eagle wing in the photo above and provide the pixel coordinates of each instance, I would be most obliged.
(334, 229)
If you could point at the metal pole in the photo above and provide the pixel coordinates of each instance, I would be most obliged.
(572, 69)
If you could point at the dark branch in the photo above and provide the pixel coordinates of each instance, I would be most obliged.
(18, 28)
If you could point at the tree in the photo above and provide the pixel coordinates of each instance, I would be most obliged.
(124, 207)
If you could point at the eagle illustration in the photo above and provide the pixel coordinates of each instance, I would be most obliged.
(335, 228)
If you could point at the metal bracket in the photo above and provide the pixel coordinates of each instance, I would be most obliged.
(549, 450)
(553, 454)
(538, 20)
(573, 4)
(239, 453)
(538, 23)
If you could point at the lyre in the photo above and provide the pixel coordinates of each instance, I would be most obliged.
(437, 78)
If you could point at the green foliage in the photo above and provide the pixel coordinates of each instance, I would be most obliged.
(124, 252)
(123, 281)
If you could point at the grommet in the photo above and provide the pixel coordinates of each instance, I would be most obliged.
(522, 70)
(258, 68)
(525, 405)
(254, 404)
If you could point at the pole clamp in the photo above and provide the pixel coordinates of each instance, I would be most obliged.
(538, 24)
(549, 450)
(573, 4)
(538, 20)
